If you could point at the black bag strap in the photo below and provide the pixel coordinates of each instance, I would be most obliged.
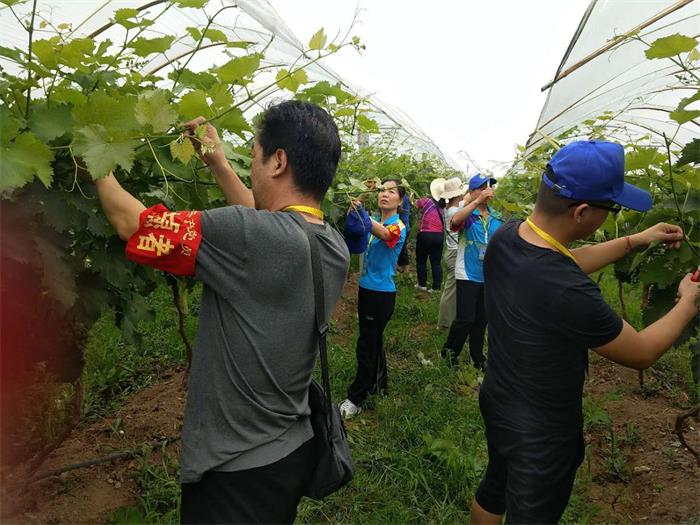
(320, 305)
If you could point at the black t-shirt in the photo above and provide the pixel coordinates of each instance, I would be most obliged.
(544, 314)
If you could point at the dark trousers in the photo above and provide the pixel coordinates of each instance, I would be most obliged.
(429, 245)
(374, 310)
(267, 494)
(469, 323)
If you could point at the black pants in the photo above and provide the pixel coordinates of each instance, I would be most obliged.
(403, 254)
(374, 310)
(268, 494)
(529, 476)
(429, 245)
(469, 323)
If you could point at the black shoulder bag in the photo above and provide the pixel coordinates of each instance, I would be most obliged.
(334, 467)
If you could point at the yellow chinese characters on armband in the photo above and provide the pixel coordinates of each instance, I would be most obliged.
(166, 240)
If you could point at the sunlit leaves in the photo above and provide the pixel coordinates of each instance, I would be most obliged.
(182, 149)
(103, 149)
(670, 46)
(235, 122)
(640, 158)
(147, 46)
(127, 18)
(153, 110)
(191, 3)
(318, 40)
(367, 124)
(23, 159)
(291, 81)
(239, 70)
(111, 110)
(682, 115)
(194, 104)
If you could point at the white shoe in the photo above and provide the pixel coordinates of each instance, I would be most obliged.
(419, 287)
(348, 409)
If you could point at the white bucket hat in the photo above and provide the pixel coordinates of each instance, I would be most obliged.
(437, 187)
(453, 187)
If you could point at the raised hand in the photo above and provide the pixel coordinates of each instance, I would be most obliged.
(206, 142)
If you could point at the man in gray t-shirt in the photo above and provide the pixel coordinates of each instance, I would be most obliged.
(247, 448)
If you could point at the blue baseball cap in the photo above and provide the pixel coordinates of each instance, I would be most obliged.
(478, 180)
(594, 170)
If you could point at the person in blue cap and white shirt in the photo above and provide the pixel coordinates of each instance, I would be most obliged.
(476, 222)
(544, 314)
(376, 296)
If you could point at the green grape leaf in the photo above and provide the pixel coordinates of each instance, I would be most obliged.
(194, 104)
(182, 149)
(214, 35)
(147, 46)
(195, 33)
(318, 40)
(9, 126)
(10, 3)
(46, 51)
(103, 150)
(68, 95)
(325, 89)
(670, 46)
(153, 109)
(191, 3)
(344, 112)
(74, 53)
(656, 272)
(239, 70)
(113, 111)
(50, 123)
(660, 302)
(682, 115)
(13, 54)
(123, 16)
(690, 153)
(235, 122)
(22, 160)
(190, 79)
(640, 158)
(367, 124)
(689, 100)
(291, 81)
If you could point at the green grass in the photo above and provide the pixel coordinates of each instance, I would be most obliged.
(420, 451)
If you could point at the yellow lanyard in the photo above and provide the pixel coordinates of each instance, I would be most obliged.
(305, 209)
(485, 226)
(551, 240)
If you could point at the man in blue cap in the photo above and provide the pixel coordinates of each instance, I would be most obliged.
(544, 314)
(476, 223)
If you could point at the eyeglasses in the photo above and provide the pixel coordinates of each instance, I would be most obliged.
(612, 208)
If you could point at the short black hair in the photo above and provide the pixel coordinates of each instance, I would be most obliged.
(548, 202)
(309, 137)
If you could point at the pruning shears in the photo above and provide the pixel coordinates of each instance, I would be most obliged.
(696, 276)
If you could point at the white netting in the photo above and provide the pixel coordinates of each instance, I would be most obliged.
(637, 92)
(252, 20)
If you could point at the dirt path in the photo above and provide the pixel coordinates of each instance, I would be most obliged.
(665, 488)
(661, 480)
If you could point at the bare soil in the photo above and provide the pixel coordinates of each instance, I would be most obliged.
(662, 484)
(661, 479)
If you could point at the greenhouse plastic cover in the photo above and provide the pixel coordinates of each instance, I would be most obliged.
(640, 93)
(252, 21)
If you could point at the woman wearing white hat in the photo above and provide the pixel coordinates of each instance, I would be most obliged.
(430, 236)
(453, 192)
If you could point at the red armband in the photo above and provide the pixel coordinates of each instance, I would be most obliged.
(395, 231)
(166, 240)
